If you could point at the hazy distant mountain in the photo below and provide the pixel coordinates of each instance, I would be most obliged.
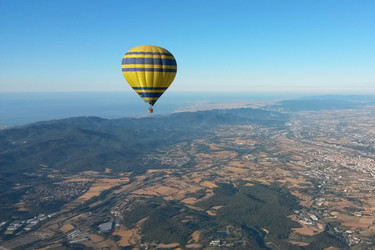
(92, 143)
(326, 102)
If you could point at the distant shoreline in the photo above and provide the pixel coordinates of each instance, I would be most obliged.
(21, 108)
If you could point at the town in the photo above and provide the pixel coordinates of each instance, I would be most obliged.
(324, 159)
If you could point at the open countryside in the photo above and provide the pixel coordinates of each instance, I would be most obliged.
(274, 178)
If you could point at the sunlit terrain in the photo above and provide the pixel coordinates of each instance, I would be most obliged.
(286, 175)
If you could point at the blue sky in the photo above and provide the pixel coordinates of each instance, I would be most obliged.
(317, 46)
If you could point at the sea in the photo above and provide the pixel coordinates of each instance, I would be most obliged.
(20, 108)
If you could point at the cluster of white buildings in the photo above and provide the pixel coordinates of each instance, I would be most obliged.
(26, 224)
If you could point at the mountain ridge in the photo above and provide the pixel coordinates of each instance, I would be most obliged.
(84, 143)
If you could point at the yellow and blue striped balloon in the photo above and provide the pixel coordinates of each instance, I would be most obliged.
(149, 70)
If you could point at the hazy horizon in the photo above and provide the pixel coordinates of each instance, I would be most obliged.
(19, 108)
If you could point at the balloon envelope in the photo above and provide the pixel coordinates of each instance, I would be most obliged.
(149, 70)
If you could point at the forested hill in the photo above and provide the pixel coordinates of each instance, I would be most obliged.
(92, 143)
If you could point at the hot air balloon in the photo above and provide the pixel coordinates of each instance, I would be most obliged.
(149, 70)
